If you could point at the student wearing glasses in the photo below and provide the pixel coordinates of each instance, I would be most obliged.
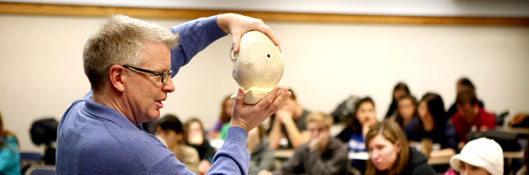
(129, 64)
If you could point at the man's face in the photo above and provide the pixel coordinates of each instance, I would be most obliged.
(145, 93)
(468, 111)
(316, 129)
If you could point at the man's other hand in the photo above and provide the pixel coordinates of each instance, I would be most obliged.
(249, 116)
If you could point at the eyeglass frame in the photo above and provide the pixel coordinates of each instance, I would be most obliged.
(163, 75)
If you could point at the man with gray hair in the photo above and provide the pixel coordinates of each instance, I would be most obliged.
(129, 64)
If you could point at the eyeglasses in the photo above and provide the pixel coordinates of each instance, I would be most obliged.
(165, 75)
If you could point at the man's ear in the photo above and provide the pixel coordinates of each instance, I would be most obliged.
(116, 76)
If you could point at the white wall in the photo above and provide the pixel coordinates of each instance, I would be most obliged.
(41, 70)
(472, 8)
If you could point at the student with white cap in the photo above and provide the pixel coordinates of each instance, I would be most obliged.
(480, 156)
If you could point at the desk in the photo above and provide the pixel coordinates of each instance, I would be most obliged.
(283, 153)
(516, 130)
(513, 155)
(439, 161)
(446, 160)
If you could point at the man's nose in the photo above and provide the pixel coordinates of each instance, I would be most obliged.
(168, 86)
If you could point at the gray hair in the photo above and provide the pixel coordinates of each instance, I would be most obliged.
(120, 41)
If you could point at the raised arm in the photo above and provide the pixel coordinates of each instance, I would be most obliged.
(193, 37)
(197, 34)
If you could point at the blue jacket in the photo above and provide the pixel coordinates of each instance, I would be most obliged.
(9, 156)
(96, 139)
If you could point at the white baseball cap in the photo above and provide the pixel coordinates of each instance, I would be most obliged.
(484, 153)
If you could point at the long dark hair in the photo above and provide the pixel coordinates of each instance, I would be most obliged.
(436, 108)
(171, 122)
(354, 124)
(393, 106)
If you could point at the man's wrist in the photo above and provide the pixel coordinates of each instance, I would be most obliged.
(238, 124)
(222, 22)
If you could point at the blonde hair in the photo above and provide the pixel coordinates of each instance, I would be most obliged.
(120, 41)
(391, 131)
(320, 117)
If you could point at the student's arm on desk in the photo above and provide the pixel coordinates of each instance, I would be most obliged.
(447, 152)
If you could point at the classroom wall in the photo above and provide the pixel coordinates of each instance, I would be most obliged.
(41, 71)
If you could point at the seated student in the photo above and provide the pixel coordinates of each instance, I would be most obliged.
(322, 154)
(9, 156)
(261, 156)
(170, 131)
(400, 90)
(462, 83)
(354, 133)
(431, 133)
(194, 135)
(289, 123)
(220, 128)
(479, 157)
(470, 117)
(406, 110)
(389, 152)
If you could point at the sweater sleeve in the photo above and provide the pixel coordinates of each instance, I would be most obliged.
(194, 36)
(232, 158)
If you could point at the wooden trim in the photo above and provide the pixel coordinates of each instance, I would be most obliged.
(73, 10)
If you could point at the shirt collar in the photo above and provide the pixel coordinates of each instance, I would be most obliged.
(107, 113)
